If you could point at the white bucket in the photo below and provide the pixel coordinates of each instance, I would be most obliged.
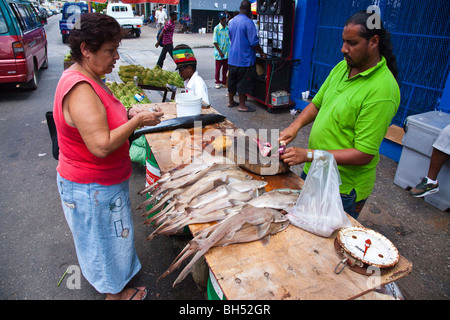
(188, 105)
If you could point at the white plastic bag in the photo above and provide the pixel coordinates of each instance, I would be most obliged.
(319, 207)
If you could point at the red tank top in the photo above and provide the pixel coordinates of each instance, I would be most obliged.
(76, 162)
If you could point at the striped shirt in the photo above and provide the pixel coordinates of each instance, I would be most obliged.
(168, 32)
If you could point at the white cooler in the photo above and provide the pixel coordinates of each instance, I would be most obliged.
(422, 130)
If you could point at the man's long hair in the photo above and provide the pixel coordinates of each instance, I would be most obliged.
(360, 18)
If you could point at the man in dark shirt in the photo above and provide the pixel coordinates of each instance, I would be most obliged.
(241, 59)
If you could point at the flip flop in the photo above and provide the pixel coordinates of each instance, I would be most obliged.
(233, 105)
(137, 290)
(247, 110)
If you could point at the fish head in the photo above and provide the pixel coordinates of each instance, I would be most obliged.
(278, 226)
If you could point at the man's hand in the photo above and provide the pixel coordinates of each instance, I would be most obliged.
(293, 156)
(288, 135)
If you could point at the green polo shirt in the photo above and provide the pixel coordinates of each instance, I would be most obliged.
(355, 113)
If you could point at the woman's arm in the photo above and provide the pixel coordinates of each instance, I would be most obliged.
(84, 110)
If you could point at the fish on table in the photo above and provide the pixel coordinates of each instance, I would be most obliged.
(214, 190)
(210, 207)
(250, 224)
(201, 186)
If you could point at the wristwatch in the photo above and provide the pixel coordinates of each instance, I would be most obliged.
(309, 155)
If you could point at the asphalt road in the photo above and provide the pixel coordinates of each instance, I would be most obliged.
(36, 246)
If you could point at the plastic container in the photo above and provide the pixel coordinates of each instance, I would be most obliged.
(413, 166)
(422, 130)
(213, 289)
(139, 97)
(188, 105)
(152, 170)
(280, 98)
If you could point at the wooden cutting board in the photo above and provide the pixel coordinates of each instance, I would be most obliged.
(245, 152)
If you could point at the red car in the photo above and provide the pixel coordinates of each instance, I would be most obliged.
(23, 43)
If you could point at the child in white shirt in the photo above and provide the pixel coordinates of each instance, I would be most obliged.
(187, 67)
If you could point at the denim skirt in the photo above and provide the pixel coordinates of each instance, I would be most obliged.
(99, 218)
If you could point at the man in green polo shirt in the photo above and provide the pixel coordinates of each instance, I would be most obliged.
(352, 111)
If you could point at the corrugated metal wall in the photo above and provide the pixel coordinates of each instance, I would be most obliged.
(421, 39)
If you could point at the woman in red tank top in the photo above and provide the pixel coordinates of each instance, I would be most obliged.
(93, 129)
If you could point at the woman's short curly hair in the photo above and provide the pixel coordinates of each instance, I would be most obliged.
(94, 29)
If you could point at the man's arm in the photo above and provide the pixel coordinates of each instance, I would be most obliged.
(216, 41)
(346, 157)
(294, 155)
(258, 49)
(306, 117)
(160, 37)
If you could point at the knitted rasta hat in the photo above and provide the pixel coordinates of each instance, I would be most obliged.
(183, 56)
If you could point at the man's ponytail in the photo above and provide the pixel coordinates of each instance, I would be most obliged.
(386, 49)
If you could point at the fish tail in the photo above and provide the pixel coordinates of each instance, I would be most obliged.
(147, 202)
(159, 214)
(147, 189)
(188, 250)
(175, 225)
(151, 236)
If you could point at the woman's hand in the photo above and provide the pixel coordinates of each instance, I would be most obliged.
(133, 111)
(146, 117)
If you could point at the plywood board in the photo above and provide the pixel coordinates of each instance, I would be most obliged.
(295, 264)
(395, 134)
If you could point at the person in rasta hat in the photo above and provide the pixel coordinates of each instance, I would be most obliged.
(187, 68)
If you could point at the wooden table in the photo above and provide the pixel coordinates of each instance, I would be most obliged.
(295, 264)
(163, 89)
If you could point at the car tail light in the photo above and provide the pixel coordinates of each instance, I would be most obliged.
(19, 52)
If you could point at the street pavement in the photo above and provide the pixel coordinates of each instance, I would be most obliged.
(36, 246)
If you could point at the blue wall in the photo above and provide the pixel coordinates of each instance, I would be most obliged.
(420, 35)
(304, 35)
